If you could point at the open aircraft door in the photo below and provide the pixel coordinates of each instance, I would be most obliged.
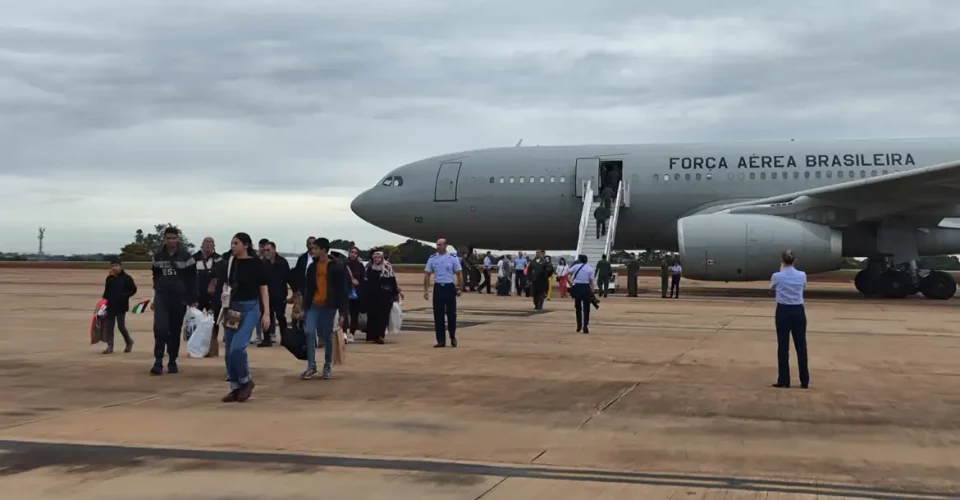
(588, 169)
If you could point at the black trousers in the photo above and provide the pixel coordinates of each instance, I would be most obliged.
(664, 285)
(601, 228)
(119, 321)
(355, 316)
(520, 280)
(278, 314)
(581, 294)
(444, 308)
(539, 291)
(167, 322)
(791, 319)
(675, 285)
(603, 282)
(486, 281)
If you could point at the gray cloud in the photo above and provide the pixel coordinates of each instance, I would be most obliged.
(322, 98)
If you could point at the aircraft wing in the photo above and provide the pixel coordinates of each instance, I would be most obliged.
(931, 192)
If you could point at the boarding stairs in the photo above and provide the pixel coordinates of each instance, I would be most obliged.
(587, 242)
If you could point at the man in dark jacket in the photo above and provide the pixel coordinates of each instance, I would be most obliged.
(299, 271)
(174, 288)
(539, 275)
(601, 215)
(604, 272)
(118, 289)
(208, 260)
(278, 275)
(322, 299)
(606, 196)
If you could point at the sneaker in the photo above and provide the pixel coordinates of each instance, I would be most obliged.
(326, 375)
(265, 343)
(129, 347)
(157, 368)
(350, 338)
(308, 373)
(172, 367)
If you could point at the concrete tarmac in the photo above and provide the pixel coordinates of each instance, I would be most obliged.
(664, 399)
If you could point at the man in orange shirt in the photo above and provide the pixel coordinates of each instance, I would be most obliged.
(326, 292)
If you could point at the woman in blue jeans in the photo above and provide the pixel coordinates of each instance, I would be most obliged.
(245, 284)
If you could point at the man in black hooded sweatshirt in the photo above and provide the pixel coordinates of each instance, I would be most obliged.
(174, 288)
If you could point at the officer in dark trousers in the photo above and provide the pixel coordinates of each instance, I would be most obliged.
(664, 276)
(788, 284)
(444, 267)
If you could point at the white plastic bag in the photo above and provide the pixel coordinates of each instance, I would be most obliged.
(190, 320)
(396, 319)
(198, 345)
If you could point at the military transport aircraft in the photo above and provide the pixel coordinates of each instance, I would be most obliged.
(729, 209)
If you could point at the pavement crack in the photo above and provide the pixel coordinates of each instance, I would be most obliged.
(501, 481)
(538, 456)
(660, 370)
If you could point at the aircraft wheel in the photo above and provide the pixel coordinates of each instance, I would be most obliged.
(938, 285)
(895, 284)
(867, 282)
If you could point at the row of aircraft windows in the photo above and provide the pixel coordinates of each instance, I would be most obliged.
(532, 179)
(773, 175)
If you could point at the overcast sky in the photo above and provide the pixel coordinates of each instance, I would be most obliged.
(270, 116)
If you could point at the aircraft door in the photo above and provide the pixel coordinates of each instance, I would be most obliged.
(588, 169)
(447, 176)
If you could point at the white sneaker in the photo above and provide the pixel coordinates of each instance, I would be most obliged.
(349, 338)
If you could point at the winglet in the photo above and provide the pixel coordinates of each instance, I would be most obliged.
(518, 142)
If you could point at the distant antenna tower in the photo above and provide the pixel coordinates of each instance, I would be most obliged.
(40, 239)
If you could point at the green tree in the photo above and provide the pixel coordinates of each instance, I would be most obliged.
(135, 252)
(154, 240)
(414, 252)
(342, 244)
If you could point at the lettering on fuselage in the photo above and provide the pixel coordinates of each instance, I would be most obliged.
(793, 161)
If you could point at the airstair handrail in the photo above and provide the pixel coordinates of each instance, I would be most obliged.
(614, 217)
(584, 215)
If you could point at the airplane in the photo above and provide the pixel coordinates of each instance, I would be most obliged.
(727, 209)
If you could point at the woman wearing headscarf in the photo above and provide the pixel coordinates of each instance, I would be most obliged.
(358, 278)
(381, 291)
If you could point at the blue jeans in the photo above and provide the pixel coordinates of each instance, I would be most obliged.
(238, 369)
(319, 320)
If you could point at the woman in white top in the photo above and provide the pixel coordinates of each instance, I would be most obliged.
(581, 275)
(562, 278)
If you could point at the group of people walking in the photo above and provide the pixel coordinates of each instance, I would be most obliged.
(247, 291)
(242, 288)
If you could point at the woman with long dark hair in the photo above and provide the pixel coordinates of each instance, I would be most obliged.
(381, 292)
(244, 279)
(358, 278)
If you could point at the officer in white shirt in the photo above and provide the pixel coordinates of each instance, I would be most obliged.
(444, 267)
(581, 276)
(791, 318)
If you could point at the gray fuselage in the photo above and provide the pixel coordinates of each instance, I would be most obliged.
(485, 204)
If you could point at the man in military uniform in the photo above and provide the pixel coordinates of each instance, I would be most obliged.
(633, 269)
(604, 272)
(664, 275)
(539, 275)
(447, 272)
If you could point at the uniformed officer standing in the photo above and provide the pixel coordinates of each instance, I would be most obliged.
(664, 276)
(633, 269)
(788, 284)
(443, 266)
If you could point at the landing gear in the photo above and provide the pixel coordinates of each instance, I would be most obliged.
(938, 285)
(881, 279)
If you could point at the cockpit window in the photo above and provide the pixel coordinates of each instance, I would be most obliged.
(392, 181)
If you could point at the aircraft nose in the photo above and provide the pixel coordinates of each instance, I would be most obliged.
(362, 206)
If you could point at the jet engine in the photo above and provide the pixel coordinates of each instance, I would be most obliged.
(747, 247)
